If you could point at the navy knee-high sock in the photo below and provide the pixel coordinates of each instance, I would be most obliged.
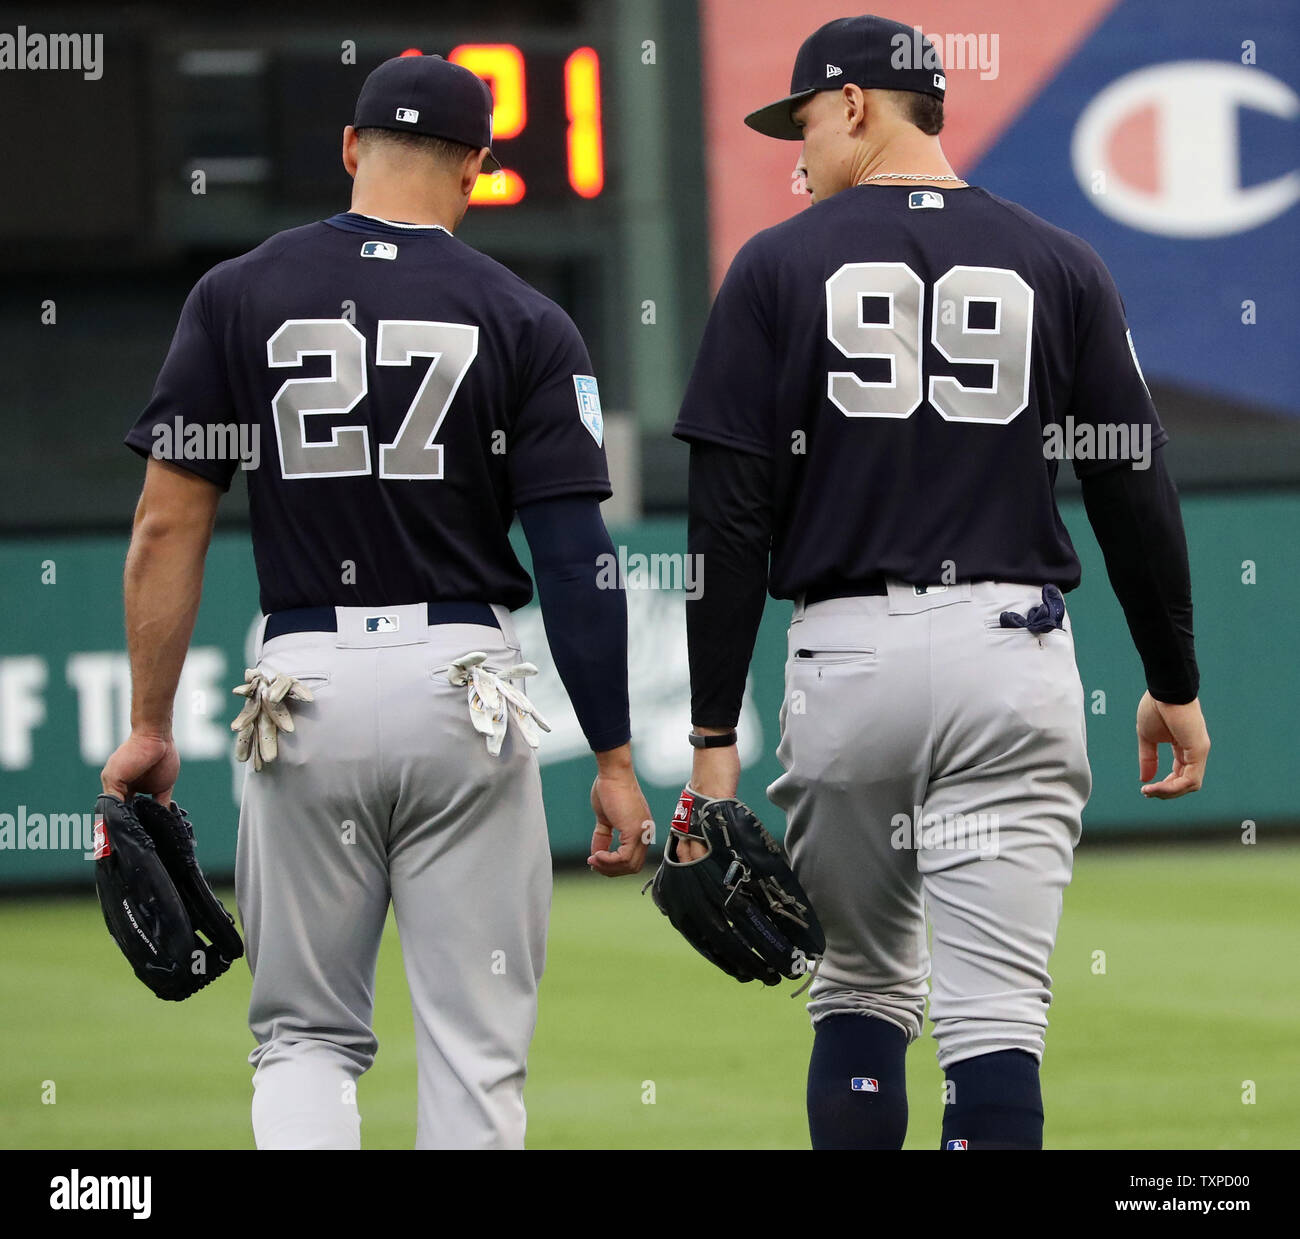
(996, 1103)
(857, 1086)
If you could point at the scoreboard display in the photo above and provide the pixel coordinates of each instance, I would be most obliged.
(269, 117)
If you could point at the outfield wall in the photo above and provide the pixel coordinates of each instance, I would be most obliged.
(64, 684)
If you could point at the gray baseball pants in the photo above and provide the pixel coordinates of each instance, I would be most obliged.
(935, 765)
(383, 792)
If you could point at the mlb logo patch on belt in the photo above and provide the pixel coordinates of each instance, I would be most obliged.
(864, 1084)
(382, 623)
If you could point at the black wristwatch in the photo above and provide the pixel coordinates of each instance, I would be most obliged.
(725, 740)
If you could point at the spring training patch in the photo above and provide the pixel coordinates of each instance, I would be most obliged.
(589, 406)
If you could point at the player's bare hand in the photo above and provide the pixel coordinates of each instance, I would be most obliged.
(1183, 728)
(143, 763)
(619, 806)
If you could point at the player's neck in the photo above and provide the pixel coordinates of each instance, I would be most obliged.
(401, 205)
(904, 155)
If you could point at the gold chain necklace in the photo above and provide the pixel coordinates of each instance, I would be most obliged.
(906, 176)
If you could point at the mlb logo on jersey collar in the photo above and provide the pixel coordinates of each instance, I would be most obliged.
(379, 249)
(925, 199)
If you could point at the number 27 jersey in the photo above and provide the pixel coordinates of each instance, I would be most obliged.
(402, 395)
(914, 364)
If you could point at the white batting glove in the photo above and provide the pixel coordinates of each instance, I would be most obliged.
(265, 714)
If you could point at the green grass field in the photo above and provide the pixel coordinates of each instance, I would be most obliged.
(1199, 997)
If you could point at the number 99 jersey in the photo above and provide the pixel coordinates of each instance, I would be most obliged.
(915, 363)
(394, 396)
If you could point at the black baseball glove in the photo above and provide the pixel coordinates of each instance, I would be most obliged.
(154, 897)
(740, 906)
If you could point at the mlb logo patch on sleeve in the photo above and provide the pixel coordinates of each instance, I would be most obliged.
(589, 406)
(864, 1084)
(379, 249)
(925, 200)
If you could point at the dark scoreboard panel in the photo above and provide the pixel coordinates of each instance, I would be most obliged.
(199, 136)
(548, 123)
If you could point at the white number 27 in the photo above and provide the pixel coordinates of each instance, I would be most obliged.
(412, 455)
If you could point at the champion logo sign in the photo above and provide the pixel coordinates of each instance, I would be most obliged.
(833, 71)
(955, 1144)
(864, 1084)
(682, 814)
(100, 840)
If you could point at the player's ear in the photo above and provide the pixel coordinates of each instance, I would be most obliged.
(470, 169)
(855, 107)
(350, 150)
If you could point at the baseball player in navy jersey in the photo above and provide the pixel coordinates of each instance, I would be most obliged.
(870, 419)
(386, 716)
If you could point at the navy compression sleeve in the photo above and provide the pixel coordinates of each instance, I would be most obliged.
(730, 532)
(586, 626)
(1139, 527)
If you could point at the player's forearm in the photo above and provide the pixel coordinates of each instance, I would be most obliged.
(729, 536)
(163, 582)
(586, 625)
(1136, 517)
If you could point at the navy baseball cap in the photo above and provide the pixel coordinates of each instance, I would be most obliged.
(872, 52)
(428, 95)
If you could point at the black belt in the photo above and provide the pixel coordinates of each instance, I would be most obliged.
(868, 587)
(323, 619)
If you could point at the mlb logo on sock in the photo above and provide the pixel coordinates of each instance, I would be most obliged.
(864, 1084)
(955, 1144)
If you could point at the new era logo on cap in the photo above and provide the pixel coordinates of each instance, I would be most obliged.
(409, 115)
(833, 71)
(864, 1084)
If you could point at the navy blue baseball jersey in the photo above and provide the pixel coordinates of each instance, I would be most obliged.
(400, 395)
(915, 363)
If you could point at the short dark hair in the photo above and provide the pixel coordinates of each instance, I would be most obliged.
(923, 111)
(444, 150)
